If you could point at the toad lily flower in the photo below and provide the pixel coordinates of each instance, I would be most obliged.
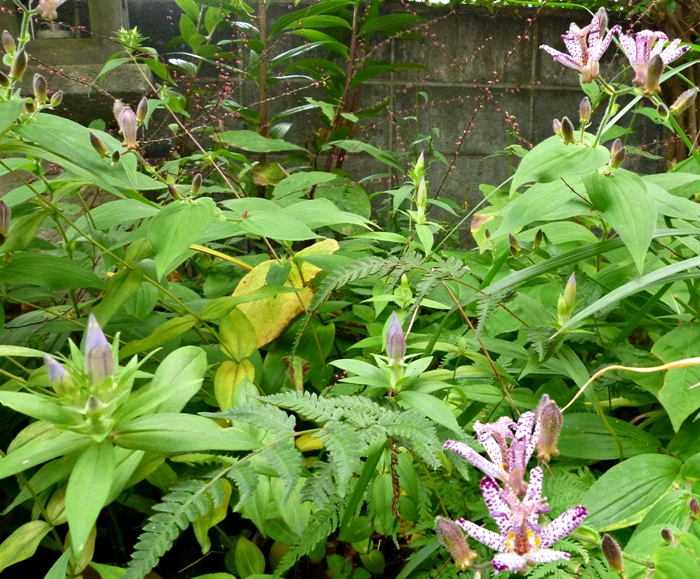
(47, 8)
(521, 541)
(508, 463)
(641, 48)
(585, 47)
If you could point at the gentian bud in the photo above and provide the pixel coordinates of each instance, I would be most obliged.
(19, 65)
(686, 99)
(93, 405)
(39, 86)
(117, 109)
(556, 125)
(99, 145)
(667, 535)
(116, 156)
(128, 125)
(613, 554)
(395, 341)
(653, 76)
(5, 81)
(196, 183)
(8, 42)
(694, 508)
(173, 191)
(514, 245)
(584, 110)
(5, 215)
(663, 111)
(550, 420)
(452, 537)
(420, 164)
(617, 158)
(567, 131)
(54, 368)
(99, 362)
(142, 110)
(570, 291)
(422, 195)
(602, 17)
(56, 98)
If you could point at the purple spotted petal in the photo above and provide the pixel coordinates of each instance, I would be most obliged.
(498, 508)
(628, 46)
(659, 39)
(474, 457)
(508, 562)
(562, 526)
(594, 31)
(573, 45)
(525, 424)
(488, 538)
(548, 555)
(533, 440)
(561, 58)
(534, 488)
(673, 51)
(599, 48)
(492, 449)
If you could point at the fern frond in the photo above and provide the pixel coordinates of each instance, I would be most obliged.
(319, 488)
(414, 432)
(451, 268)
(487, 303)
(286, 461)
(263, 416)
(246, 479)
(309, 405)
(187, 501)
(345, 446)
(359, 410)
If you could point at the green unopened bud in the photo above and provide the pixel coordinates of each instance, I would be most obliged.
(395, 341)
(5, 81)
(196, 184)
(667, 535)
(116, 157)
(653, 75)
(420, 164)
(56, 98)
(175, 194)
(422, 195)
(538, 239)
(618, 158)
(5, 216)
(663, 111)
(29, 107)
(694, 508)
(613, 554)
(39, 86)
(685, 99)
(556, 125)
(99, 145)
(514, 245)
(142, 110)
(99, 362)
(567, 131)
(452, 537)
(549, 418)
(19, 65)
(8, 42)
(570, 291)
(93, 406)
(584, 110)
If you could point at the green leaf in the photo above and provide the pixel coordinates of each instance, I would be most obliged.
(586, 436)
(320, 21)
(418, 558)
(10, 110)
(161, 335)
(622, 496)
(276, 225)
(255, 143)
(108, 571)
(674, 563)
(41, 408)
(118, 290)
(430, 406)
(20, 352)
(22, 543)
(49, 271)
(622, 199)
(176, 227)
(190, 8)
(552, 159)
(383, 496)
(219, 307)
(249, 558)
(58, 569)
(389, 23)
(110, 65)
(180, 433)
(679, 395)
(237, 335)
(87, 491)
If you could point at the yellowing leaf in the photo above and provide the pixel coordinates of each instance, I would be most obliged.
(237, 335)
(215, 515)
(22, 544)
(228, 376)
(307, 442)
(270, 316)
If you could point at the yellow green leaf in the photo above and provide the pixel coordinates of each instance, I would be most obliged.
(228, 376)
(22, 544)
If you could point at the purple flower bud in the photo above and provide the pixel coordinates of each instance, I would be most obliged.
(686, 99)
(694, 507)
(663, 111)
(116, 156)
(613, 554)
(117, 109)
(5, 81)
(514, 245)
(244, 214)
(549, 418)
(8, 42)
(618, 158)
(54, 368)
(5, 216)
(173, 191)
(616, 146)
(99, 362)
(39, 86)
(196, 183)
(602, 17)
(584, 110)
(56, 98)
(567, 131)
(667, 535)
(99, 145)
(452, 537)
(128, 125)
(653, 76)
(142, 110)
(19, 65)
(556, 125)
(395, 341)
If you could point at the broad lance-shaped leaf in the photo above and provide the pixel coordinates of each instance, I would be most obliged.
(622, 199)
(22, 543)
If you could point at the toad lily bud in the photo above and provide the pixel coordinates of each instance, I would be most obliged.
(667, 535)
(567, 131)
(56, 98)
(613, 554)
(128, 125)
(538, 239)
(619, 156)
(39, 85)
(19, 65)
(5, 81)
(117, 109)
(99, 362)
(550, 419)
(694, 506)
(142, 111)
(116, 156)
(196, 184)
(5, 215)
(653, 76)
(686, 99)
(602, 17)
(173, 191)
(556, 125)
(452, 537)
(99, 145)
(663, 111)
(395, 341)
(584, 111)
(514, 245)
(8, 42)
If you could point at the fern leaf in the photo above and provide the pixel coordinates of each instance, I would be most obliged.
(309, 405)
(415, 432)
(188, 501)
(246, 480)
(286, 461)
(263, 416)
(345, 446)
(320, 488)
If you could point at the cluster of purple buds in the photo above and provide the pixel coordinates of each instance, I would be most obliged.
(129, 121)
(515, 504)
